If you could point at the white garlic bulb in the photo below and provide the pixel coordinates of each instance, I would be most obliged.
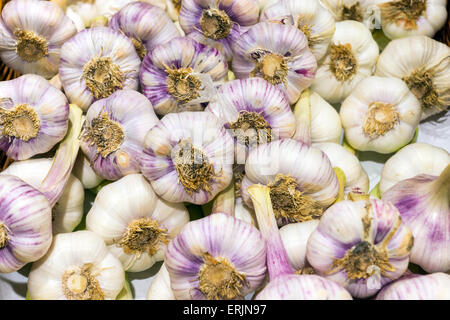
(405, 18)
(160, 287)
(381, 115)
(84, 172)
(412, 160)
(426, 72)
(78, 266)
(68, 210)
(136, 225)
(351, 57)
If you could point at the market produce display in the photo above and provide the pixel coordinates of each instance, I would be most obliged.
(218, 149)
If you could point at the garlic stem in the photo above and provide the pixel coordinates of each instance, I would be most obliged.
(342, 181)
(441, 186)
(277, 258)
(302, 112)
(64, 160)
(375, 192)
(225, 201)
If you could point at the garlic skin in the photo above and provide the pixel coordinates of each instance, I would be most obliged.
(295, 239)
(31, 43)
(362, 245)
(78, 266)
(423, 202)
(381, 115)
(182, 74)
(412, 160)
(243, 212)
(419, 287)
(25, 224)
(279, 54)
(33, 116)
(254, 112)
(204, 262)
(310, 17)
(95, 63)
(355, 176)
(68, 210)
(351, 57)
(218, 24)
(302, 180)
(136, 226)
(188, 157)
(405, 18)
(160, 287)
(132, 21)
(113, 135)
(426, 72)
(84, 172)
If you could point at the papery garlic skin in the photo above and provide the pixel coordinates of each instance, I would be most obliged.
(113, 135)
(160, 287)
(419, 287)
(277, 53)
(30, 42)
(181, 75)
(412, 160)
(33, 116)
(207, 242)
(310, 17)
(119, 216)
(351, 57)
(68, 210)
(83, 171)
(133, 19)
(356, 176)
(218, 24)
(296, 166)
(102, 50)
(295, 239)
(25, 224)
(405, 18)
(381, 115)
(78, 266)
(325, 121)
(243, 212)
(254, 111)
(362, 245)
(426, 72)
(202, 136)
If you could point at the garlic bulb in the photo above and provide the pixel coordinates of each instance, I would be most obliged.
(423, 202)
(188, 157)
(136, 226)
(33, 116)
(68, 210)
(182, 74)
(254, 112)
(283, 283)
(160, 287)
(263, 4)
(426, 72)
(30, 42)
(133, 19)
(113, 135)
(95, 63)
(243, 212)
(419, 287)
(350, 59)
(218, 23)
(355, 176)
(78, 266)
(362, 245)
(381, 115)
(310, 17)
(25, 224)
(412, 160)
(295, 239)
(405, 18)
(301, 179)
(205, 261)
(84, 172)
(279, 54)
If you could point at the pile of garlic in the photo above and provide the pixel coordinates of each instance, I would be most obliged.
(221, 145)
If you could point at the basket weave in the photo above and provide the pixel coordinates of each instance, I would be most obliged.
(7, 73)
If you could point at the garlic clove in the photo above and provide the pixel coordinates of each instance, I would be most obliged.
(160, 287)
(325, 121)
(84, 172)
